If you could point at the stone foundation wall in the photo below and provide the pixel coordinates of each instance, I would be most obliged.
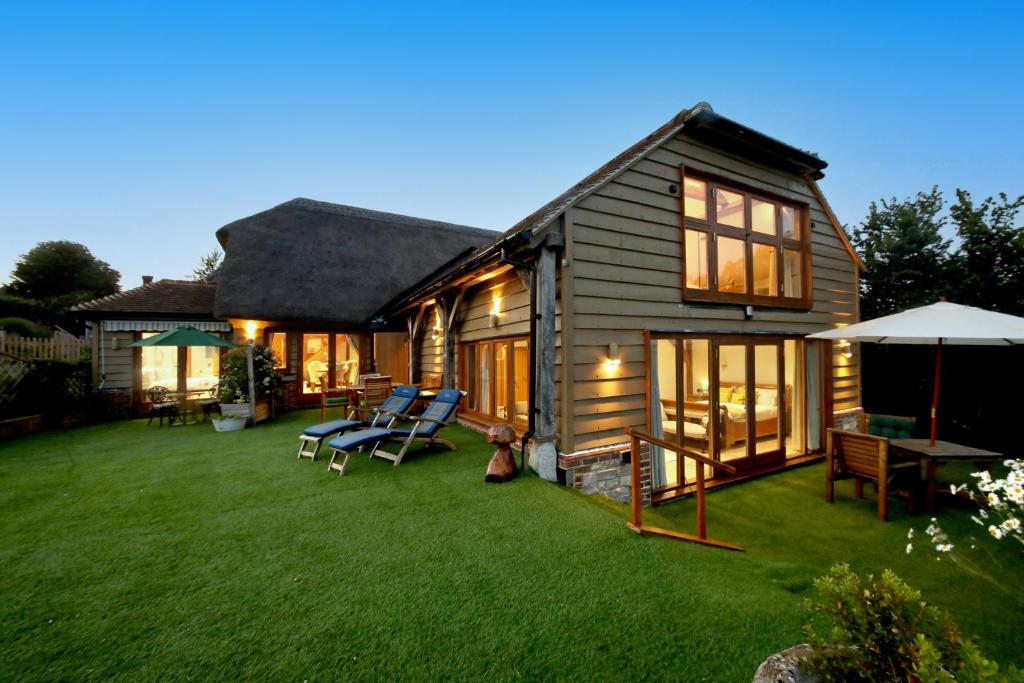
(607, 473)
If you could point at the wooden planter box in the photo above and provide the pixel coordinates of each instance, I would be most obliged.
(20, 426)
(264, 410)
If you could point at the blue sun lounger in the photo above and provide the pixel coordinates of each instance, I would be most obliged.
(397, 403)
(424, 430)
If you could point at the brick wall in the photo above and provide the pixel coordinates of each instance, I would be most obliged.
(607, 473)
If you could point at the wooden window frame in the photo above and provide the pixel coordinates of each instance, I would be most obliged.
(749, 236)
(287, 368)
(510, 370)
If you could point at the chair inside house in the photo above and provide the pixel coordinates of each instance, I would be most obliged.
(382, 414)
(207, 405)
(424, 430)
(161, 405)
(865, 457)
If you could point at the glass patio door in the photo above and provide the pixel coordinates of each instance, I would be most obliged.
(751, 401)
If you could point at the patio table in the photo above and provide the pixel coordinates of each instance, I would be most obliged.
(941, 453)
(186, 404)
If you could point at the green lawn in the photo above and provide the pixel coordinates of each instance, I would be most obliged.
(180, 553)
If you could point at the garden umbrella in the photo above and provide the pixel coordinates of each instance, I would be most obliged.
(938, 324)
(185, 335)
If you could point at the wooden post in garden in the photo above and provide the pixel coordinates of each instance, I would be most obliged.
(252, 382)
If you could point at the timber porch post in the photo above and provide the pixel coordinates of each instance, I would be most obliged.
(448, 307)
(543, 454)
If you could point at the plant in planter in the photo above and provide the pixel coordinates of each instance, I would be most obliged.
(229, 423)
(234, 382)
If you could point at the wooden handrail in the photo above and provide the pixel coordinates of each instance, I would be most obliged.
(682, 450)
(636, 504)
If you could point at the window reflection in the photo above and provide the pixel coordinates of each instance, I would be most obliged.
(766, 275)
(695, 198)
(762, 216)
(696, 259)
(792, 274)
(732, 265)
(729, 208)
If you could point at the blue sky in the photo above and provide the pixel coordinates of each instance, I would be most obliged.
(140, 128)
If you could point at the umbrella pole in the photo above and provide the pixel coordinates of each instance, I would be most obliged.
(935, 391)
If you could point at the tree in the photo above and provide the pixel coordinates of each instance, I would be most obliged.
(207, 265)
(61, 274)
(906, 257)
(990, 261)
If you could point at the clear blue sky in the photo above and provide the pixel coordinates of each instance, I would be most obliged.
(140, 128)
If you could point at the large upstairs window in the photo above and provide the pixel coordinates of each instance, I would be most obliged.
(741, 246)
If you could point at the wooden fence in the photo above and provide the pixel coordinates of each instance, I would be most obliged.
(63, 347)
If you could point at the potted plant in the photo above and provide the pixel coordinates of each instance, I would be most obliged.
(229, 423)
(234, 383)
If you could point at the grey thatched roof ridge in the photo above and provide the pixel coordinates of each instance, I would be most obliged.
(308, 260)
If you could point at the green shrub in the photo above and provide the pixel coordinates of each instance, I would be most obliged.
(23, 327)
(234, 375)
(879, 629)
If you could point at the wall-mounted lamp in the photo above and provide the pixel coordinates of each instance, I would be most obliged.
(614, 360)
(845, 349)
(494, 318)
(250, 330)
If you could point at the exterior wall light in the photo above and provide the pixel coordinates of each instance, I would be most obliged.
(250, 329)
(845, 349)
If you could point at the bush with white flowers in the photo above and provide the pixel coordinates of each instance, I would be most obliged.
(234, 374)
(1001, 504)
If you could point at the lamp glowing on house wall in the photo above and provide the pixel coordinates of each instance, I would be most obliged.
(614, 360)
(495, 313)
(845, 349)
(250, 329)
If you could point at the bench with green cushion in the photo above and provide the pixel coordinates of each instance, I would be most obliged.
(890, 426)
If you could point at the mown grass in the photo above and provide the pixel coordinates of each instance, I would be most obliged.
(146, 553)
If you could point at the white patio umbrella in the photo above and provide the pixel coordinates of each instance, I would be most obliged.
(938, 324)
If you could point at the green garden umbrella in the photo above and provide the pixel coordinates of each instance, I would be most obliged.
(185, 335)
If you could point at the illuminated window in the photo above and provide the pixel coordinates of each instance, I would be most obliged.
(792, 281)
(278, 341)
(742, 247)
(732, 265)
(202, 369)
(695, 199)
(729, 208)
(766, 272)
(696, 259)
(159, 365)
(496, 377)
(762, 216)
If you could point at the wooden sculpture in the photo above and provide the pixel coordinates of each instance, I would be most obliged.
(502, 466)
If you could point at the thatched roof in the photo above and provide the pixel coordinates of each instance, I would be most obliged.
(162, 299)
(315, 261)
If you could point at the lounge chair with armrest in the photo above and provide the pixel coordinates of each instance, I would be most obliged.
(425, 429)
(402, 397)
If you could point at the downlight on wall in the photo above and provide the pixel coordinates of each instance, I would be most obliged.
(614, 360)
(845, 349)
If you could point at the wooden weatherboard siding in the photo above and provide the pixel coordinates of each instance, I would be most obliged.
(626, 278)
(505, 293)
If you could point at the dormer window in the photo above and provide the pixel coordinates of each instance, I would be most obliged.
(743, 246)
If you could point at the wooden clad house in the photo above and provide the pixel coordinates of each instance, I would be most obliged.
(670, 290)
